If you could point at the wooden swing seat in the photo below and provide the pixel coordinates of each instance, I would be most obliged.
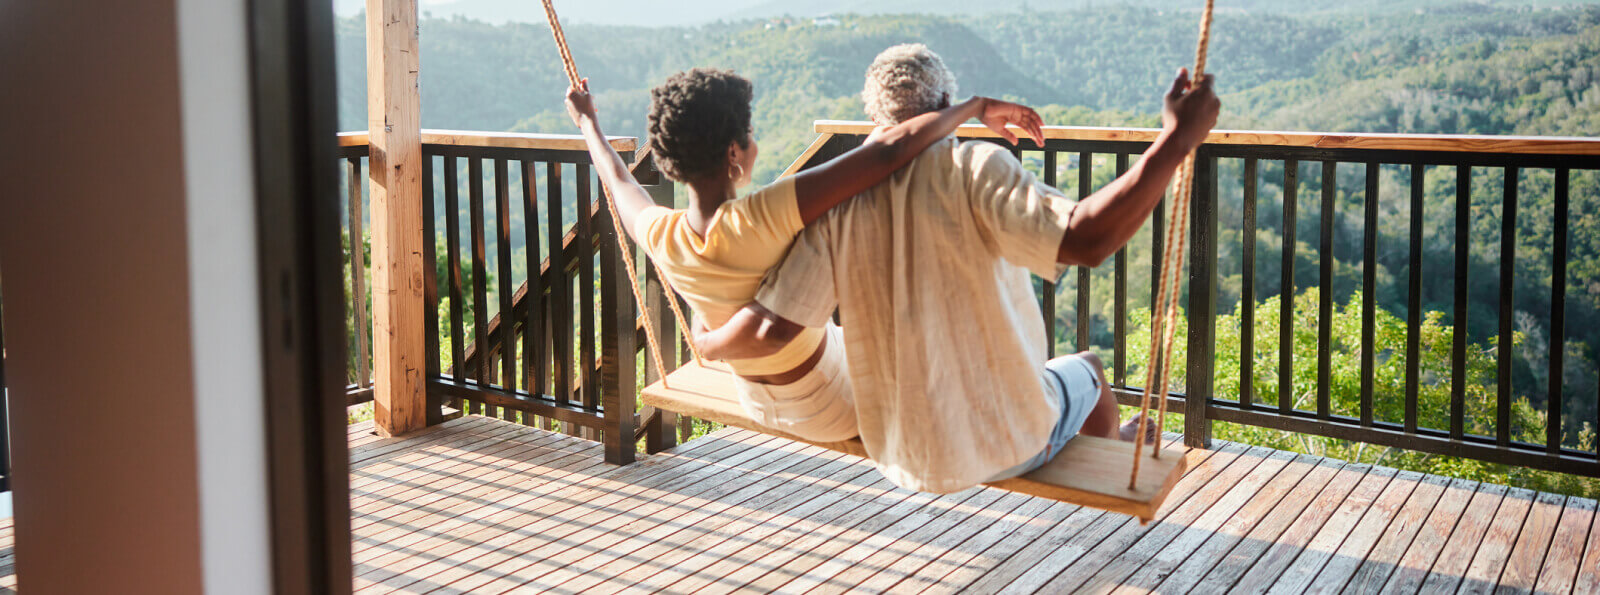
(1090, 471)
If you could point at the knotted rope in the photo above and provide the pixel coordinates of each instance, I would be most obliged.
(1158, 372)
(571, 68)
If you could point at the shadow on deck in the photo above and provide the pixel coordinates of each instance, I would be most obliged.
(485, 506)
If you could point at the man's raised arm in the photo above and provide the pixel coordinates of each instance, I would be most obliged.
(1107, 219)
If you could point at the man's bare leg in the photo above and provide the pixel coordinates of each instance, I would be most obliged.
(1105, 420)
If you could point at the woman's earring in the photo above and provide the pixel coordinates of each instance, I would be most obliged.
(732, 177)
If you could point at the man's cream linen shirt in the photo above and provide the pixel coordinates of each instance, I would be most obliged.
(945, 338)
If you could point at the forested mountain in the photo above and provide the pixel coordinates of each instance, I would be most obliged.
(1400, 66)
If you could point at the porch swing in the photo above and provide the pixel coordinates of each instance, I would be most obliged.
(1089, 471)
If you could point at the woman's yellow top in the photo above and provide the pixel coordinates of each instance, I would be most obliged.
(719, 273)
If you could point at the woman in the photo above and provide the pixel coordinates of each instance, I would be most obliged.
(716, 251)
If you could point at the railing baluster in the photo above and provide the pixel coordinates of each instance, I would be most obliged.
(1291, 187)
(1458, 349)
(1330, 178)
(1049, 289)
(560, 296)
(1158, 229)
(1558, 316)
(452, 218)
(1120, 306)
(1247, 290)
(1085, 187)
(533, 365)
(480, 281)
(430, 294)
(1414, 301)
(1508, 267)
(589, 392)
(1202, 347)
(619, 323)
(358, 273)
(508, 337)
(1369, 290)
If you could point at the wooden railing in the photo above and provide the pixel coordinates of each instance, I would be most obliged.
(1244, 159)
(565, 367)
(555, 344)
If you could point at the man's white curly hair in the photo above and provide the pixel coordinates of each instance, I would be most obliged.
(905, 81)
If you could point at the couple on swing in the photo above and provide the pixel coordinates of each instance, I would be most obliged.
(923, 243)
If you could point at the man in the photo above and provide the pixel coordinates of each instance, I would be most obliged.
(944, 341)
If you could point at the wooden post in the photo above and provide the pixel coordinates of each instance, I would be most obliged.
(395, 135)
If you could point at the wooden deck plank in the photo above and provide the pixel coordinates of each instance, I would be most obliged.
(428, 516)
(1566, 548)
(1375, 521)
(534, 548)
(1462, 544)
(1495, 549)
(853, 576)
(1270, 480)
(863, 546)
(1293, 521)
(1299, 482)
(1118, 555)
(1588, 580)
(665, 545)
(1521, 570)
(949, 541)
(590, 492)
(983, 551)
(445, 473)
(422, 503)
(381, 447)
(879, 514)
(1186, 527)
(1431, 538)
(754, 539)
(1102, 530)
(434, 454)
(1041, 542)
(547, 517)
(1304, 549)
(1380, 561)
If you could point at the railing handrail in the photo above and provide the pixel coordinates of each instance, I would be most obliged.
(504, 140)
(1462, 143)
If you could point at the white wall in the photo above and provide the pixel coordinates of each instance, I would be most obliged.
(224, 302)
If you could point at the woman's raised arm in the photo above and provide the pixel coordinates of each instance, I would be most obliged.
(630, 197)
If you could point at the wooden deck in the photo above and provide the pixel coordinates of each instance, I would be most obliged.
(484, 506)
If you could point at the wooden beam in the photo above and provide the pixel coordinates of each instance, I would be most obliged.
(395, 132)
(501, 140)
(1531, 145)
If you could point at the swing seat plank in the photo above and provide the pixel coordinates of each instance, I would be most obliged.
(1090, 471)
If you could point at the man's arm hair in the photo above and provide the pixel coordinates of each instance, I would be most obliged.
(752, 332)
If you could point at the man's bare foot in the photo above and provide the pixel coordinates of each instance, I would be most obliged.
(1131, 429)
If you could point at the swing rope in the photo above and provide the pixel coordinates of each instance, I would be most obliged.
(571, 68)
(1158, 373)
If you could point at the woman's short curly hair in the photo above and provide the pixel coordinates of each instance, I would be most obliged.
(694, 116)
(905, 81)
